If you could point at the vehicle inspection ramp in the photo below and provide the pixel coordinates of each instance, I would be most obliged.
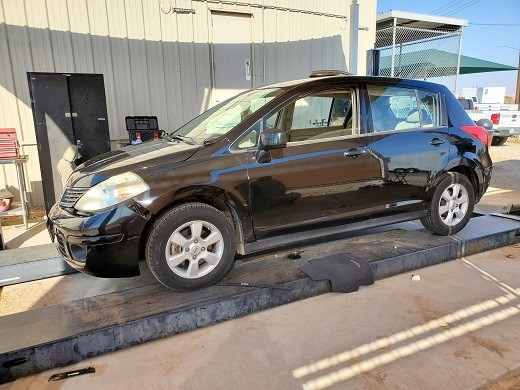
(143, 310)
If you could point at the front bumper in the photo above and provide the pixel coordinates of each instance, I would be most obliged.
(104, 245)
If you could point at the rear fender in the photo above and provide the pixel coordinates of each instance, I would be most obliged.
(468, 165)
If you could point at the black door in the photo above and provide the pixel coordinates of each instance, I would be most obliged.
(411, 140)
(310, 183)
(68, 109)
(89, 115)
(322, 175)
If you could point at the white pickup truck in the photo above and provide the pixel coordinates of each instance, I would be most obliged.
(505, 123)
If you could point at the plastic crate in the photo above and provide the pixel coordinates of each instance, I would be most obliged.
(142, 128)
(8, 143)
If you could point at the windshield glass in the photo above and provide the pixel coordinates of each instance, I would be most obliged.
(222, 118)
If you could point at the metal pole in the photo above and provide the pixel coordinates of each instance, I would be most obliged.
(354, 37)
(392, 70)
(517, 97)
(263, 42)
(457, 71)
(399, 74)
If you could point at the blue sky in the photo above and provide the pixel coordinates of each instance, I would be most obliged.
(481, 41)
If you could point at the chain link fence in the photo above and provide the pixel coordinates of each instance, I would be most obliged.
(415, 53)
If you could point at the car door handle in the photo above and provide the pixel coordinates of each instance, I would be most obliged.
(354, 152)
(436, 142)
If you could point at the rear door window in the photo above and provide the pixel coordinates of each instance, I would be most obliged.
(398, 108)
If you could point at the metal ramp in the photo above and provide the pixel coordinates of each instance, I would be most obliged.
(80, 328)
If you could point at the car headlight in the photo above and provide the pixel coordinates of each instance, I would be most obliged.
(111, 191)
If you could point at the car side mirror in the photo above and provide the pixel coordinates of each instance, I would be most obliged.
(272, 139)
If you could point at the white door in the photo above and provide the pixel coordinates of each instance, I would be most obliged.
(232, 62)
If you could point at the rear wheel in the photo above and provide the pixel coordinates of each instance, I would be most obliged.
(190, 246)
(451, 206)
(498, 141)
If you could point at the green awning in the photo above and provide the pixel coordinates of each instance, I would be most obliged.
(435, 63)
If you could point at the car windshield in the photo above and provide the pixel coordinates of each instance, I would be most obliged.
(222, 118)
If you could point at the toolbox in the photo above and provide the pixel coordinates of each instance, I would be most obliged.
(142, 128)
(8, 143)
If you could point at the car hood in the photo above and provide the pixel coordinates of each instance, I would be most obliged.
(135, 158)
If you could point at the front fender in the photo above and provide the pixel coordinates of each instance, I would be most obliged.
(236, 202)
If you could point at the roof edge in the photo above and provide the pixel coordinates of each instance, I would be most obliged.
(395, 14)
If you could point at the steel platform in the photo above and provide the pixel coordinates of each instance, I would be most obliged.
(144, 310)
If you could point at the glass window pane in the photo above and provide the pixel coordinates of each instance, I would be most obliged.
(393, 108)
(311, 111)
(224, 117)
(429, 103)
(316, 117)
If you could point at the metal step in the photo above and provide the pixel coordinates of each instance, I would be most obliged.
(68, 332)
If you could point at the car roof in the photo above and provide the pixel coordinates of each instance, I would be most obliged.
(351, 78)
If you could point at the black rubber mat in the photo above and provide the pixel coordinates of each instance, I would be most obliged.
(345, 272)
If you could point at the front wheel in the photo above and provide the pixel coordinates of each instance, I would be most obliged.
(451, 206)
(190, 246)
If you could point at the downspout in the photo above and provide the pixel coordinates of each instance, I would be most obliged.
(354, 37)
(263, 42)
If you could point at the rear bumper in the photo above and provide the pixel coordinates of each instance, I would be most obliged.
(507, 131)
(104, 245)
(484, 178)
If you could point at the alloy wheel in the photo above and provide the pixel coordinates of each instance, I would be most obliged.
(453, 204)
(194, 249)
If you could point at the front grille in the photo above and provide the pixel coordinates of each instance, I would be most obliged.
(70, 197)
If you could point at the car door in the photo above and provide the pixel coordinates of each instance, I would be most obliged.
(324, 172)
(410, 138)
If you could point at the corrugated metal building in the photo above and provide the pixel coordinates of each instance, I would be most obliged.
(159, 57)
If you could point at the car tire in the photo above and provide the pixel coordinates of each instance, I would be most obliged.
(499, 141)
(191, 246)
(451, 206)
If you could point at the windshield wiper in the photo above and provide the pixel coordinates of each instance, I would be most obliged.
(173, 137)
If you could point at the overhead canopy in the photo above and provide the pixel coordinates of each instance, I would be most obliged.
(420, 21)
(435, 63)
(418, 26)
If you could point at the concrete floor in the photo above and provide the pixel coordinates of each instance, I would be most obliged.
(455, 328)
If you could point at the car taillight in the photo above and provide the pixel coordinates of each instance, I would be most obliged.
(495, 118)
(478, 132)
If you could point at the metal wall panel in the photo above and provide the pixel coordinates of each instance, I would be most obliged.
(157, 61)
(119, 49)
(102, 59)
(80, 38)
(137, 56)
(202, 55)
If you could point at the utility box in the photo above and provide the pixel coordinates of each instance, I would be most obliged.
(142, 128)
(8, 143)
(487, 95)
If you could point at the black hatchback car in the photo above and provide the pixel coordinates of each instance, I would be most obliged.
(272, 166)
